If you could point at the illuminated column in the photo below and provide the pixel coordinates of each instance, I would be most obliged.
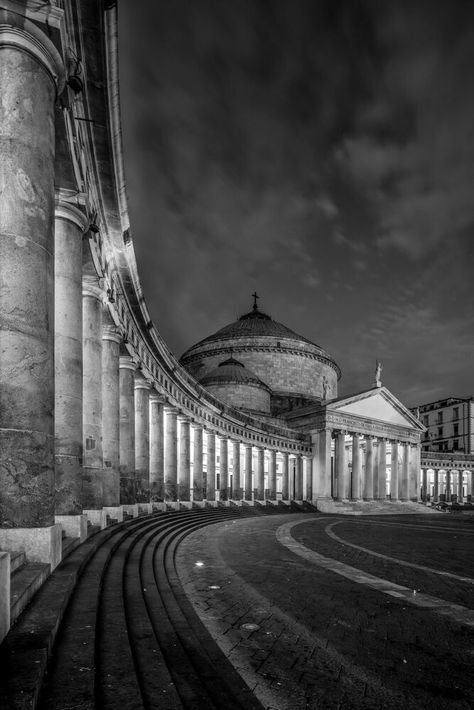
(224, 469)
(260, 474)
(197, 464)
(272, 478)
(448, 485)
(414, 473)
(394, 471)
(30, 71)
(70, 225)
(382, 469)
(321, 468)
(211, 466)
(424, 484)
(368, 486)
(298, 477)
(92, 304)
(127, 429)
(285, 492)
(356, 468)
(111, 340)
(171, 454)
(156, 448)
(142, 439)
(436, 485)
(184, 470)
(236, 484)
(460, 486)
(405, 472)
(341, 477)
(307, 475)
(248, 472)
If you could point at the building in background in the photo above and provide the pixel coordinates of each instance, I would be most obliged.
(449, 424)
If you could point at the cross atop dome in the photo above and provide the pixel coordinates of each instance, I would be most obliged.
(255, 296)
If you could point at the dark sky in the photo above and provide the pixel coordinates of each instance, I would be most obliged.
(321, 152)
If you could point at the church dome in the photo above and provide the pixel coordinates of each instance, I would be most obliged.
(295, 369)
(237, 386)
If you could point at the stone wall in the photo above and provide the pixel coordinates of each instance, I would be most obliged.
(242, 396)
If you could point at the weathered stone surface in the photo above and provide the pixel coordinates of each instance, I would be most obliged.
(4, 594)
(111, 414)
(171, 455)
(142, 439)
(41, 544)
(184, 469)
(156, 448)
(127, 430)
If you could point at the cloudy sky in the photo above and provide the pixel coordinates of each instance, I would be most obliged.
(321, 152)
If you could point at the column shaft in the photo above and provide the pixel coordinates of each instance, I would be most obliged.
(394, 471)
(285, 476)
(236, 484)
(171, 455)
(111, 415)
(156, 448)
(184, 470)
(248, 472)
(70, 224)
(414, 475)
(356, 468)
(211, 466)
(197, 464)
(368, 485)
(298, 477)
(272, 478)
(142, 440)
(436, 485)
(127, 429)
(460, 486)
(321, 469)
(260, 474)
(405, 471)
(92, 305)
(342, 477)
(382, 470)
(224, 469)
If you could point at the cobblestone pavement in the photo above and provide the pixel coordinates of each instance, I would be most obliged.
(305, 636)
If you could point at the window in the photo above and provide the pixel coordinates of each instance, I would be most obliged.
(440, 417)
(440, 431)
(455, 412)
(455, 445)
(456, 429)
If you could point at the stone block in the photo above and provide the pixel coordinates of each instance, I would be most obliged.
(4, 594)
(115, 512)
(73, 525)
(145, 508)
(185, 504)
(38, 544)
(96, 517)
(131, 509)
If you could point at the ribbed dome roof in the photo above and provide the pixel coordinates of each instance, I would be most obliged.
(232, 370)
(254, 324)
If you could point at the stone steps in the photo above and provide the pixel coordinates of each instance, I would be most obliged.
(376, 507)
(24, 583)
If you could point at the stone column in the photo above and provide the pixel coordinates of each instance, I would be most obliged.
(376, 465)
(171, 454)
(248, 472)
(236, 484)
(382, 469)
(29, 70)
(197, 464)
(436, 485)
(448, 485)
(184, 463)
(285, 476)
(224, 469)
(298, 477)
(92, 304)
(156, 448)
(341, 471)
(368, 485)
(127, 429)
(321, 469)
(424, 484)
(356, 468)
(460, 486)
(307, 475)
(405, 471)
(142, 439)
(211, 466)
(111, 340)
(414, 474)
(272, 478)
(260, 474)
(70, 224)
(394, 471)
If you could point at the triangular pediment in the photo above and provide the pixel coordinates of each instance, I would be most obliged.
(378, 404)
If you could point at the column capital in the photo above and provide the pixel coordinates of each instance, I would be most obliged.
(111, 332)
(18, 32)
(141, 383)
(93, 286)
(126, 362)
(70, 212)
(157, 398)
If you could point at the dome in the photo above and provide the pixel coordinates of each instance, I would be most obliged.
(232, 370)
(295, 369)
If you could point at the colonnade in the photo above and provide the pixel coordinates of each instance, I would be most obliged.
(446, 484)
(364, 466)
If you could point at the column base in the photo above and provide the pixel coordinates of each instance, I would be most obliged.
(4, 594)
(96, 517)
(114, 511)
(131, 509)
(73, 525)
(39, 544)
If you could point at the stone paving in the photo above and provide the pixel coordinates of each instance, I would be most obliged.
(303, 636)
